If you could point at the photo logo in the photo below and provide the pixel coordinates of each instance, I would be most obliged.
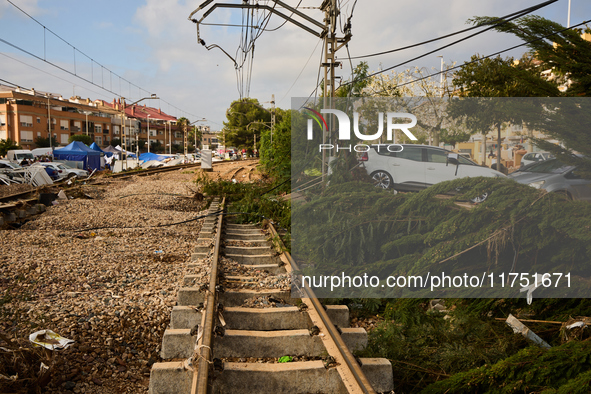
(344, 132)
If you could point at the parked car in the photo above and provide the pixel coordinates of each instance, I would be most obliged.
(65, 171)
(554, 176)
(417, 167)
(8, 165)
(535, 157)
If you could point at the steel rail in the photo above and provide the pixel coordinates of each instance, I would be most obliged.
(353, 366)
(205, 351)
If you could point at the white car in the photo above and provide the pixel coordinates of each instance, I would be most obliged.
(65, 171)
(535, 157)
(416, 167)
(8, 165)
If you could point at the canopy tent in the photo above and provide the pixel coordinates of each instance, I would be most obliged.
(128, 154)
(77, 151)
(97, 148)
(112, 151)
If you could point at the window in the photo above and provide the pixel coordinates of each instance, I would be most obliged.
(26, 121)
(38, 134)
(64, 138)
(436, 156)
(2, 120)
(116, 130)
(38, 120)
(98, 139)
(26, 136)
(411, 153)
(63, 124)
(98, 128)
(3, 134)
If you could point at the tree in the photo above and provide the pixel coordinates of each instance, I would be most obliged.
(429, 98)
(44, 142)
(558, 64)
(557, 49)
(115, 142)
(6, 145)
(85, 139)
(358, 83)
(245, 119)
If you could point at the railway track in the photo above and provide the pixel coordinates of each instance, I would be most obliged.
(236, 322)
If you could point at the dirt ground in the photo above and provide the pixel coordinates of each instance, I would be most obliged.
(240, 170)
(103, 272)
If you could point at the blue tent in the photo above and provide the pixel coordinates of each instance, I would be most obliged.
(77, 151)
(151, 156)
(97, 148)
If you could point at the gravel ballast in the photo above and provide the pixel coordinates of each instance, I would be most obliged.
(111, 289)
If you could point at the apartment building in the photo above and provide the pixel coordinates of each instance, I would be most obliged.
(26, 115)
(139, 119)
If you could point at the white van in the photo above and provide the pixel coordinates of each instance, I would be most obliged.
(42, 152)
(16, 156)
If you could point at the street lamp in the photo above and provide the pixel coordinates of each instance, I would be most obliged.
(124, 141)
(195, 133)
(148, 120)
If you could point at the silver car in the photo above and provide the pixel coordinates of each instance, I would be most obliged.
(535, 157)
(416, 167)
(554, 176)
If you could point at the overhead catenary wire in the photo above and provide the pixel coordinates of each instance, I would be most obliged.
(447, 35)
(516, 15)
(75, 74)
(486, 57)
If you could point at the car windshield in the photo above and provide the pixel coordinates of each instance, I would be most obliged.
(62, 167)
(548, 167)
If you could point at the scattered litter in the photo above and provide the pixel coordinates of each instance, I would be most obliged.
(575, 329)
(13, 377)
(530, 289)
(575, 325)
(62, 195)
(520, 328)
(50, 340)
(285, 359)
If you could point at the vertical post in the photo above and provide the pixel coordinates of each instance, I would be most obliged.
(49, 124)
(185, 139)
(272, 119)
(148, 121)
(123, 136)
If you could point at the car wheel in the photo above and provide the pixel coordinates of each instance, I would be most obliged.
(71, 175)
(381, 179)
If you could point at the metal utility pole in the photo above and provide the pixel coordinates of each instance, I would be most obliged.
(332, 44)
(272, 119)
(328, 29)
(185, 139)
(49, 124)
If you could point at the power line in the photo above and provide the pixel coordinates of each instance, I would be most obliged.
(488, 56)
(516, 15)
(44, 59)
(303, 68)
(533, 8)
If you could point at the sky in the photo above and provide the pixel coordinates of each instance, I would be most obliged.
(135, 48)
